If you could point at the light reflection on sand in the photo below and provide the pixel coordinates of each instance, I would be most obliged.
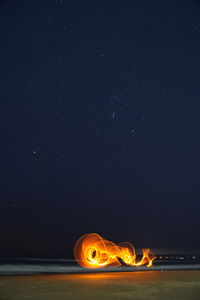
(135, 285)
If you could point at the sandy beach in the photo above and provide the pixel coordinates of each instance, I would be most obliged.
(152, 285)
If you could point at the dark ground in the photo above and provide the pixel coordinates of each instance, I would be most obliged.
(166, 285)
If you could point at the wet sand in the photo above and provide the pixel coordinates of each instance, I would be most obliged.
(151, 285)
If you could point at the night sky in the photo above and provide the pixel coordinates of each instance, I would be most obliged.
(100, 124)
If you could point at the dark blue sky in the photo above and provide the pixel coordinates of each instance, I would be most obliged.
(100, 120)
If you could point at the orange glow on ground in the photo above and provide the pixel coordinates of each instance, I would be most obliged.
(93, 251)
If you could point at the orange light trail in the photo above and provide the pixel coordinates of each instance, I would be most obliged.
(93, 251)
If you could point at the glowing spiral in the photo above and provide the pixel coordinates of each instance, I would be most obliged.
(93, 251)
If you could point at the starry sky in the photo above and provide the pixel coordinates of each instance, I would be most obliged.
(99, 122)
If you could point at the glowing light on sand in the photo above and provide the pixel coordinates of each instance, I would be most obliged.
(93, 251)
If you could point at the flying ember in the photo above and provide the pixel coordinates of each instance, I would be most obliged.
(93, 251)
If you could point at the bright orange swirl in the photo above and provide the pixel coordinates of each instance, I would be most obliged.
(93, 251)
